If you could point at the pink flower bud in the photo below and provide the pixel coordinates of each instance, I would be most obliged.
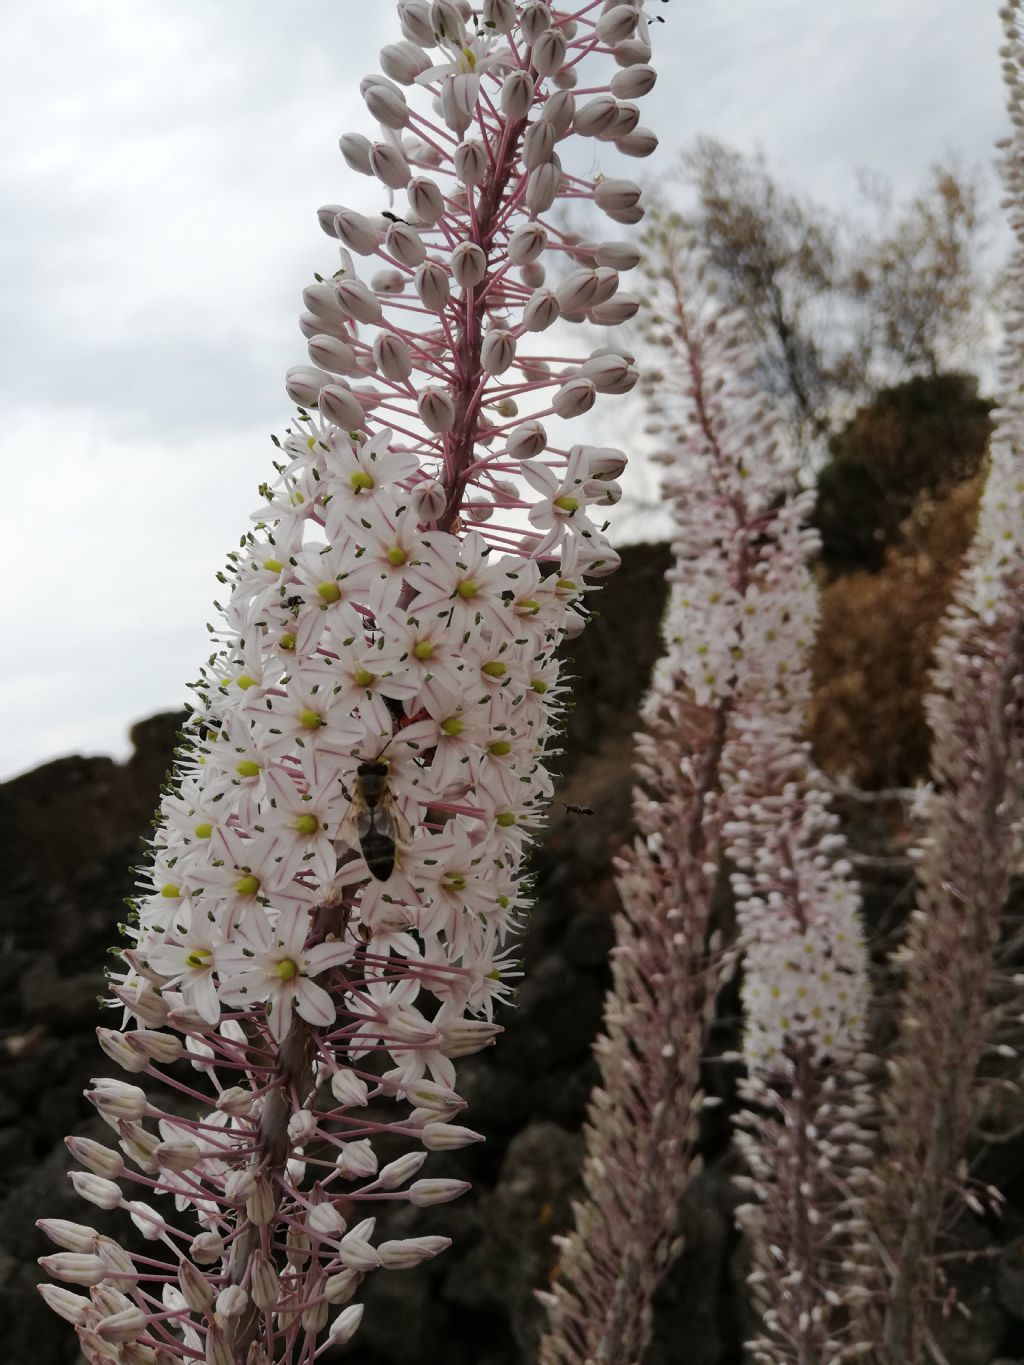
(340, 405)
(303, 384)
(405, 244)
(616, 311)
(218, 1350)
(236, 1100)
(396, 1173)
(340, 1288)
(118, 1101)
(534, 20)
(559, 111)
(541, 311)
(617, 23)
(595, 116)
(538, 144)
(356, 301)
(195, 1288)
(232, 1301)
(497, 352)
(448, 1137)
(239, 1185)
(322, 302)
(428, 500)
(584, 288)
(499, 15)
(119, 1050)
(632, 51)
(329, 353)
(614, 196)
(206, 1248)
(527, 441)
(574, 398)
(358, 232)
(355, 148)
(426, 201)
(357, 1160)
(431, 281)
(543, 186)
(517, 95)
(458, 101)
(548, 52)
(181, 1155)
(641, 142)
(387, 282)
(410, 1251)
(393, 357)
(526, 243)
(70, 1236)
(447, 20)
(617, 255)
(610, 373)
(126, 1325)
(467, 1036)
(264, 1283)
(471, 162)
(389, 165)
(261, 1205)
(325, 217)
(403, 61)
(532, 274)
(163, 1048)
(414, 17)
(436, 409)
(357, 1253)
(603, 462)
(71, 1307)
(75, 1267)
(346, 1324)
(634, 82)
(103, 1193)
(348, 1088)
(627, 116)
(424, 1193)
(385, 102)
(469, 264)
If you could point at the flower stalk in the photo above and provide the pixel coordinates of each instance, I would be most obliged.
(337, 868)
(723, 777)
(955, 994)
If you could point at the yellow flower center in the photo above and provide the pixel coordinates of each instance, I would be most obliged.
(287, 969)
(329, 592)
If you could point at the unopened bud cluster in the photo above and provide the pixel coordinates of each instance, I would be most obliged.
(323, 928)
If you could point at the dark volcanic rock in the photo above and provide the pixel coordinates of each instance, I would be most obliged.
(71, 831)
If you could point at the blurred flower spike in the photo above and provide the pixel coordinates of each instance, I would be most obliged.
(338, 861)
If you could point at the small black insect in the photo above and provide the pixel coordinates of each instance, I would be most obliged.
(573, 809)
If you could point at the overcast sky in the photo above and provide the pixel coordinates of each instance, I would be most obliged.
(161, 162)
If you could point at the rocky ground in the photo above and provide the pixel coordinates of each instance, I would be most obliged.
(70, 833)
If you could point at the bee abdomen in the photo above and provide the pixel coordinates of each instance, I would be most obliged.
(379, 851)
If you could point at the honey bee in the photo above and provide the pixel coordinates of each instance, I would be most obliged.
(374, 822)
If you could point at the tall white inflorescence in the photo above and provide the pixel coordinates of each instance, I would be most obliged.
(323, 927)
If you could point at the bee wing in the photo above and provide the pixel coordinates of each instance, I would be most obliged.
(390, 817)
(357, 822)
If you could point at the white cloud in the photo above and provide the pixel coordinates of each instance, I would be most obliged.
(160, 168)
